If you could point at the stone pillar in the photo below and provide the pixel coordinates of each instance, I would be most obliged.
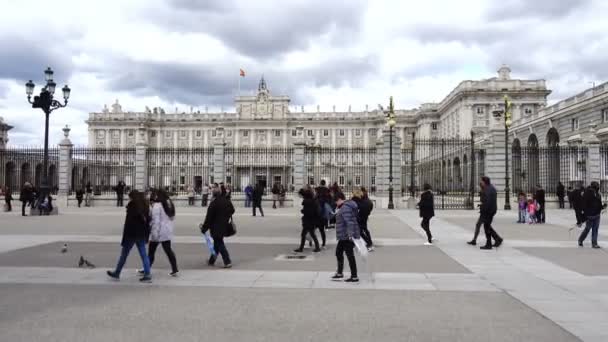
(141, 161)
(219, 169)
(299, 165)
(65, 167)
(383, 149)
(593, 159)
(495, 165)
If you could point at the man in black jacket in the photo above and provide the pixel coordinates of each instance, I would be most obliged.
(217, 220)
(365, 209)
(487, 212)
(577, 204)
(560, 192)
(540, 198)
(258, 192)
(120, 191)
(592, 200)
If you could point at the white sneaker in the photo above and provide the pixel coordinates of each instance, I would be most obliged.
(428, 243)
(174, 274)
(370, 249)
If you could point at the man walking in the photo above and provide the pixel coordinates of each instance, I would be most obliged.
(487, 212)
(561, 193)
(26, 196)
(592, 200)
(578, 205)
(205, 193)
(120, 191)
(258, 192)
(89, 192)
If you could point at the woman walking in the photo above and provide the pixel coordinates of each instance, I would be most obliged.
(311, 216)
(135, 232)
(347, 229)
(427, 211)
(217, 220)
(162, 215)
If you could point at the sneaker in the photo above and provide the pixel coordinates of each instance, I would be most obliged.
(498, 243)
(485, 247)
(596, 246)
(211, 261)
(370, 248)
(337, 277)
(174, 274)
(580, 244)
(472, 242)
(428, 243)
(228, 266)
(299, 250)
(140, 272)
(145, 279)
(352, 280)
(317, 250)
(112, 275)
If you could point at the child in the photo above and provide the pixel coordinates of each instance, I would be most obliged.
(522, 208)
(531, 211)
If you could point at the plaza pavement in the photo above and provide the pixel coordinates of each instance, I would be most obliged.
(538, 287)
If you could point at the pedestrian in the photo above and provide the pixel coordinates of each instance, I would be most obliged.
(258, 192)
(365, 209)
(347, 229)
(120, 190)
(532, 207)
(89, 193)
(522, 204)
(248, 195)
(324, 198)
(540, 198)
(487, 212)
(217, 220)
(311, 214)
(592, 200)
(8, 197)
(136, 231)
(191, 194)
(162, 217)
(228, 191)
(275, 195)
(26, 196)
(205, 195)
(570, 191)
(578, 205)
(45, 205)
(79, 196)
(560, 192)
(282, 194)
(427, 211)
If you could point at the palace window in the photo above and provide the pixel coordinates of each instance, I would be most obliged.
(131, 133)
(480, 110)
(357, 180)
(183, 134)
(199, 133)
(101, 134)
(167, 134)
(325, 132)
(229, 134)
(341, 132)
(153, 134)
(528, 110)
(604, 115)
(574, 124)
(294, 133)
(310, 133)
(115, 134)
(373, 132)
(341, 180)
(245, 134)
(213, 133)
(277, 133)
(357, 132)
(434, 126)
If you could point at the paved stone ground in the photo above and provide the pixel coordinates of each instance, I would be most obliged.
(538, 287)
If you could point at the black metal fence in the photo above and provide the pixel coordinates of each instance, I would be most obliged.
(452, 167)
(24, 164)
(177, 169)
(349, 167)
(604, 170)
(103, 168)
(548, 166)
(259, 165)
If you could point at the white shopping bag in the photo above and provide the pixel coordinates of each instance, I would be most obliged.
(361, 248)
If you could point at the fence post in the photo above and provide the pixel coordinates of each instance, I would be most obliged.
(299, 165)
(219, 169)
(65, 167)
(472, 171)
(593, 159)
(141, 161)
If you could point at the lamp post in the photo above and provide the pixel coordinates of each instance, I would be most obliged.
(507, 116)
(47, 103)
(390, 120)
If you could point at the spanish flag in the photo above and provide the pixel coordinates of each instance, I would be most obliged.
(242, 72)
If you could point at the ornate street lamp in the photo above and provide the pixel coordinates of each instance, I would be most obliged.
(390, 121)
(47, 103)
(507, 116)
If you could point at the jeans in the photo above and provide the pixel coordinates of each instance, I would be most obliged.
(561, 202)
(119, 202)
(23, 205)
(425, 224)
(522, 216)
(9, 207)
(168, 251)
(308, 230)
(593, 224)
(477, 228)
(126, 248)
(247, 201)
(489, 231)
(365, 234)
(220, 249)
(258, 205)
(323, 237)
(346, 246)
(540, 213)
(204, 200)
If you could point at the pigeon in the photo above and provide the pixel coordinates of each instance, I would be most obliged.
(64, 249)
(88, 264)
(81, 261)
(84, 262)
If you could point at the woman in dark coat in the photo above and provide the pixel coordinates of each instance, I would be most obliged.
(311, 216)
(217, 220)
(136, 231)
(427, 211)
(8, 197)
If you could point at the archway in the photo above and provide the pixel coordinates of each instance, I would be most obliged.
(10, 177)
(466, 176)
(457, 174)
(516, 170)
(533, 162)
(553, 161)
(26, 171)
(38, 176)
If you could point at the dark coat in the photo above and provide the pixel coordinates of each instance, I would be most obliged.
(488, 201)
(426, 205)
(311, 213)
(8, 196)
(577, 199)
(137, 227)
(79, 194)
(365, 209)
(218, 217)
(258, 192)
(120, 189)
(560, 191)
(592, 200)
(540, 197)
(26, 195)
(323, 194)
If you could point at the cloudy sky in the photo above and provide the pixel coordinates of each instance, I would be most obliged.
(187, 53)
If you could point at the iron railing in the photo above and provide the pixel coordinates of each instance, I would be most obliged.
(102, 168)
(259, 165)
(177, 169)
(25, 164)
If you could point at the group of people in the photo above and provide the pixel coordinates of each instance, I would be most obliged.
(531, 209)
(29, 196)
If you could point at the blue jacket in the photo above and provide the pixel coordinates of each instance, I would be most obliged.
(347, 226)
(249, 191)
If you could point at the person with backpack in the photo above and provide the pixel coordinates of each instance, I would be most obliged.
(347, 229)
(162, 217)
(218, 219)
(136, 231)
(365, 209)
(311, 213)
(427, 211)
(592, 199)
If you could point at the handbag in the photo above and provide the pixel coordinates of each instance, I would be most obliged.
(231, 228)
(361, 248)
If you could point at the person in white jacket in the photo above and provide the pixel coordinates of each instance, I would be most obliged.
(162, 214)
